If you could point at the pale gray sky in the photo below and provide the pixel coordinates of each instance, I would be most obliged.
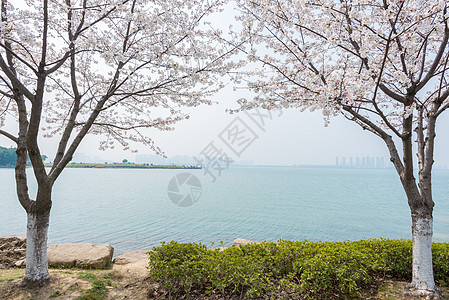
(293, 138)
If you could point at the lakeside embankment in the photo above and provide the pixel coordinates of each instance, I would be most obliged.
(365, 269)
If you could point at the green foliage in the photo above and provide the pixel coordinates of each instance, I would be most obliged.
(112, 275)
(181, 264)
(7, 279)
(311, 270)
(56, 294)
(98, 290)
(108, 266)
(8, 156)
(440, 254)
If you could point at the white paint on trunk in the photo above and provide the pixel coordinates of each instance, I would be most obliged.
(422, 254)
(36, 252)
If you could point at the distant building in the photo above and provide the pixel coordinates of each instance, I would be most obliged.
(365, 162)
(380, 162)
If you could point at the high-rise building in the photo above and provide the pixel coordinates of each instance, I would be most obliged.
(367, 162)
(380, 163)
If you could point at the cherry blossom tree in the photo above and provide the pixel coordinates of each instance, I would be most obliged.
(382, 64)
(108, 67)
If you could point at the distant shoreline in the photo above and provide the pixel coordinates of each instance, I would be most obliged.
(125, 166)
(149, 166)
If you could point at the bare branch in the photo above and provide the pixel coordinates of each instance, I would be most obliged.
(436, 61)
(10, 136)
(381, 133)
(15, 81)
(8, 49)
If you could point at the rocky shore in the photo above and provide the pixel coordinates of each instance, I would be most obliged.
(12, 251)
(81, 255)
(123, 277)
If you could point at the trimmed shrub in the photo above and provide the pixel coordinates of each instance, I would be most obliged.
(313, 270)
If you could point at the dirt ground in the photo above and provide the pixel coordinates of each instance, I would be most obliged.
(398, 290)
(121, 281)
(74, 284)
(114, 284)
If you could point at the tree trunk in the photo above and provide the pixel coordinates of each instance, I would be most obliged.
(36, 252)
(422, 271)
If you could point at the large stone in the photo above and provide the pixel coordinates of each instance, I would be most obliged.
(132, 263)
(82, 255)
(131, 257)
(241, 242)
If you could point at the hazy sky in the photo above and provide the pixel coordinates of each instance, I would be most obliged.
(293, 138)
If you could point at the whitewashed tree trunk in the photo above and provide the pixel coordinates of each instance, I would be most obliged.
(36, 252)
(422, 274)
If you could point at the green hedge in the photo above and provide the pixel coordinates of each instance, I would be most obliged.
(315, 270)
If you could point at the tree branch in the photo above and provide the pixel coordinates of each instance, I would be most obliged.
(436, 61)
(10, 136)
(77, 97)
(15, 81)
(394, 155)
(8, 49)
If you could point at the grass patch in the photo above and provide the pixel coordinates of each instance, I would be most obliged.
(10, 275)
(56, 293)
(113, 275)
(98, 290)
(298, 270)
(108, 266)
(10, 278)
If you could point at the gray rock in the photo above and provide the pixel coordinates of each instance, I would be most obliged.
(82, 255)
(132, 264)
(241, 242)
(20, 263)
(131, 257)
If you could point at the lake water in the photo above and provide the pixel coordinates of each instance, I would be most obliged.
(131, 210)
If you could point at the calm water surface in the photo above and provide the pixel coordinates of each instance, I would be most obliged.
(130, 208)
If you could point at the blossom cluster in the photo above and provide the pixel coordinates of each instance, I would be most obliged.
(138, 63)
(379, 58)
